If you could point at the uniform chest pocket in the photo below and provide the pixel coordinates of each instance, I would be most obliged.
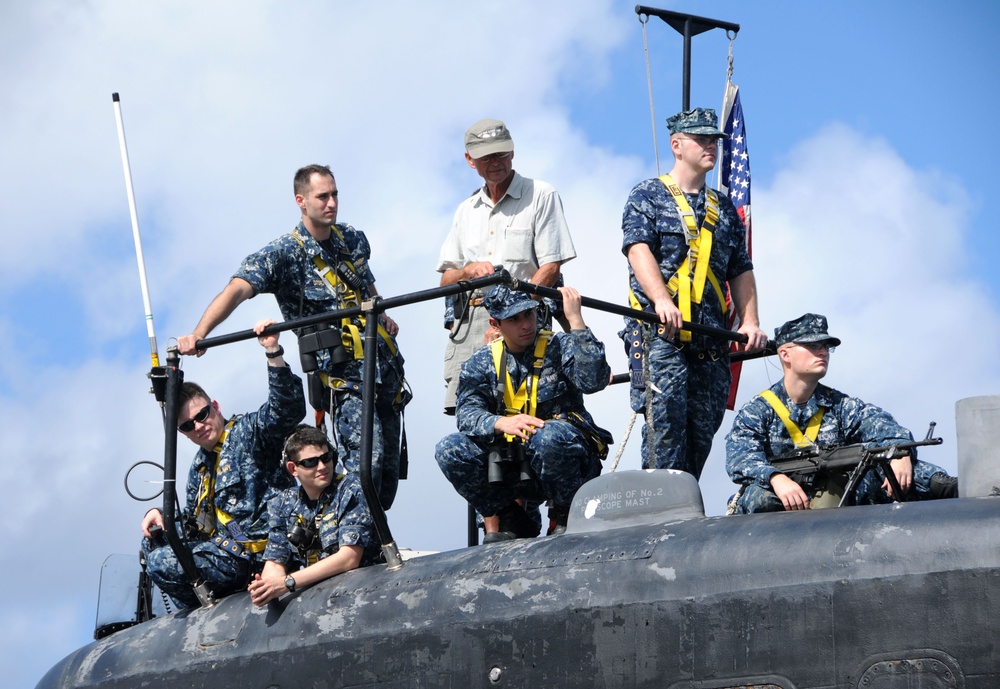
(519, 244)
(319, 292)
(550, 388)
(228, 488)
(673, 242)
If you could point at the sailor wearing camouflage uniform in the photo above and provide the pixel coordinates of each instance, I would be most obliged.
(231, 478)
(683, 242)
(322, 266)
(820, 415)
(317, 530)
(535, 410)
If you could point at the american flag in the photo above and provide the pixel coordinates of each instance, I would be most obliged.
(735, 182)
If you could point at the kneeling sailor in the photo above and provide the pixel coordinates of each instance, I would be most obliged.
(520, 405)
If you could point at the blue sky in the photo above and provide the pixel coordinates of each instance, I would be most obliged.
(868, 128)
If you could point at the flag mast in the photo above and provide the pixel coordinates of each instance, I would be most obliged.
(688, 25)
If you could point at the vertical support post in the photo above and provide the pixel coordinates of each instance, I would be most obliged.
(472, 527)
(368, 394)
(686, 88)
(171, 408)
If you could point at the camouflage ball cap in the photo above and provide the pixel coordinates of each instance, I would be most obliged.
(503, 302)
(697, 121)
(487, 137)
(808, 328)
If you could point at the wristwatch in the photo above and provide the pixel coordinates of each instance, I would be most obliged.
(290, 583)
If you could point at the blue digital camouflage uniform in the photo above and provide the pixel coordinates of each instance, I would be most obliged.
(560, 454)
(759, 434)
(250, 472)
(691, 381)
(344, 520)
(284, 268)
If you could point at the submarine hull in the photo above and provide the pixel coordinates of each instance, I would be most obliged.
(902, 595)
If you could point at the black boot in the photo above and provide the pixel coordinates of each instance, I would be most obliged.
(558, 518)
(515, 520)
(943, 486)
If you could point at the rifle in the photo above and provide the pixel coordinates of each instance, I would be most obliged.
(804, 464)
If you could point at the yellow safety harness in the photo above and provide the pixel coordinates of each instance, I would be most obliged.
(524, 400)
(312, 555)
(800, 439)
(686, 287)
(206, 513)
(350, 333)
(346, 297)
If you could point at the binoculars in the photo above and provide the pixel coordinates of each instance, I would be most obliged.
(507, 457)
(302, 536)
(313, 338)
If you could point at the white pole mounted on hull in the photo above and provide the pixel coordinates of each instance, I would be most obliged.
(135, 232)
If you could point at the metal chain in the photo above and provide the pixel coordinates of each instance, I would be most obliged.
(729, 71)
(717, 172)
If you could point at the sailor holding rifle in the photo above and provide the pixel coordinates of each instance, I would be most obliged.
(798, 411)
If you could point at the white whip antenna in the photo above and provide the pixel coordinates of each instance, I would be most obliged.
(135, 232)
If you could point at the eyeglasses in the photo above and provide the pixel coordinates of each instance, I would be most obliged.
(703, 140)
(496, 156)
(313, 462)
(818, 346)
(200, 417)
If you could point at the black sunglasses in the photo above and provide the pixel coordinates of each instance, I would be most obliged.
(200, 417)
(312, 462)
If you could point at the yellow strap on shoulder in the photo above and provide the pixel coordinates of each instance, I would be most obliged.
(205, 503)
(519, 401)
(686, 287)
(683, 208)
(541, 343)
(341, 290)
(514, 401)
(346, 297)
(812, 426)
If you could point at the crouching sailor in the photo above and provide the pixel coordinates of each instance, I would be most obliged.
(230, 481)
(523, 429)
(797, 412)
(317, 530)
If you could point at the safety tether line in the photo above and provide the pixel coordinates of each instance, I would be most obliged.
(621, 447)
(644, 19)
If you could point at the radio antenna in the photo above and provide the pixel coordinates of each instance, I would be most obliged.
(154, 356)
